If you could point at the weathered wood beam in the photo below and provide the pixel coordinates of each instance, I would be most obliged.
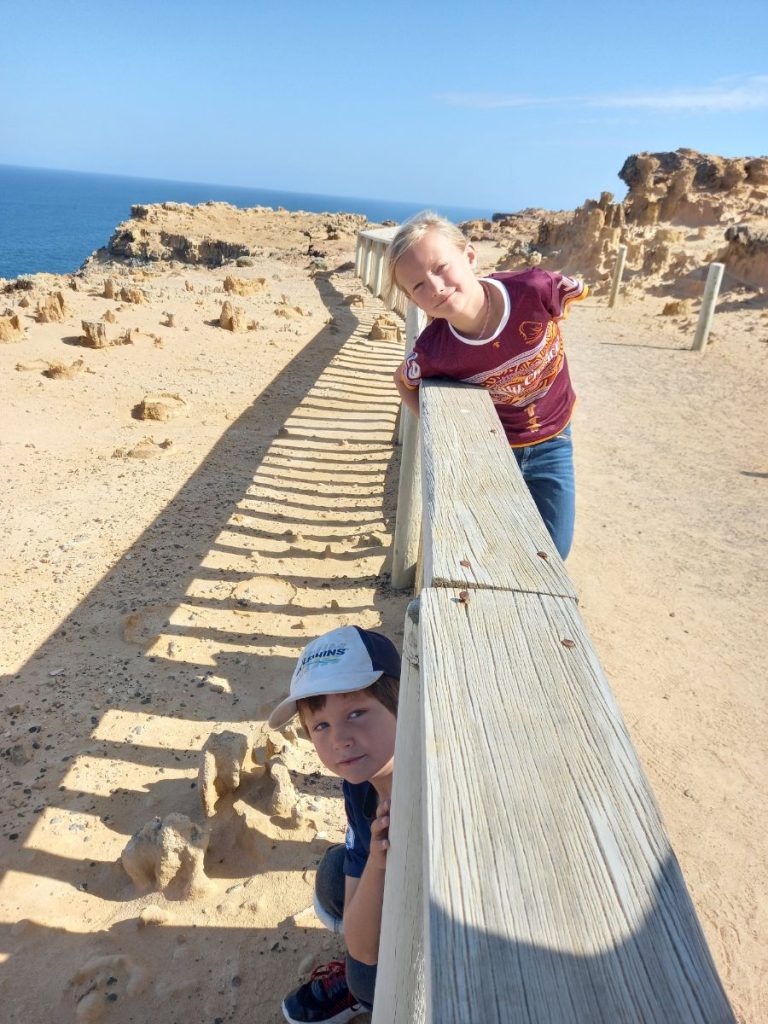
(484, 529)
(400, 974)
(553, 894)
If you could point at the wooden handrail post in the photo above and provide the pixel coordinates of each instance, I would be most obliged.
(711, 290)
(378, 277)
(405, 547)
(400, 974)
(413, 328)
(367, 262)
(618, 270)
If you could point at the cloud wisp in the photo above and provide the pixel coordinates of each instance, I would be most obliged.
(725, 97)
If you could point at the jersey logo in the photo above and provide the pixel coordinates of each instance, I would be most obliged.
(531, 331)
(412, 369)
(349, 842)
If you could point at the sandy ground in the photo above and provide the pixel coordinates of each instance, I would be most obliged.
(155, 594)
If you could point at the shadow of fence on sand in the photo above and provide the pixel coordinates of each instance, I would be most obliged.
(281, 533)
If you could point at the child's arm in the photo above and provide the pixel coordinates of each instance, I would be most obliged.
(363, 897)
(410, 396)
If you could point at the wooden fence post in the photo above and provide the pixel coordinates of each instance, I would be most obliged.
(621, 256)
(711, 290)
(378, 277)
(405, 547)
(400, 974)
(413, 328)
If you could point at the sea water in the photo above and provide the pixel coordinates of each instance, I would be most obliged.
(53, 220)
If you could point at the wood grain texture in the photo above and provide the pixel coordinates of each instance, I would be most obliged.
(553, 893)
(408, 521)
(407, 539)
(482, 528)
(400, 975)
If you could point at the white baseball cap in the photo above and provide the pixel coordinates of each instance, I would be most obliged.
(346, 659)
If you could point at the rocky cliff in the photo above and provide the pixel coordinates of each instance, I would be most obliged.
(682, 211)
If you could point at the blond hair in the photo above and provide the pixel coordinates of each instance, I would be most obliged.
(410, 232)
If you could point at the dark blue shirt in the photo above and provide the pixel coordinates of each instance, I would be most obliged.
(360, 802)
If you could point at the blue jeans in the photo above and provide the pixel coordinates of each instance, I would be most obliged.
(547, 469)
(329, 889)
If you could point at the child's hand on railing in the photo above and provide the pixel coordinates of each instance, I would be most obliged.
(377, 857)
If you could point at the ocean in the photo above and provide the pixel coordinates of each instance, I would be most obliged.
(53, 220)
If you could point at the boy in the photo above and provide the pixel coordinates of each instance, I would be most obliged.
(345, 689)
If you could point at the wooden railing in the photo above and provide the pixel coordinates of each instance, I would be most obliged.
(529, 878)
(369, 264)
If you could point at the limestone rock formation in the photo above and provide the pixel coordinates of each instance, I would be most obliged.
(244, 286)
(287, 311)
(135, 295)
(690, 188)
(232, 318)
(669, 194)
(167, 853)
(284, 797)
(677, 307)
(213, 234)
(159, 405)
(62, 371)
(746, 254)
(384, 327)
(146, 448)
(223, 759)
(150, 241)
(11, 328)
(52, 309)
(96, 335)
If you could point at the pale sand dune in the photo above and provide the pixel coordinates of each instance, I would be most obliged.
(161, 593)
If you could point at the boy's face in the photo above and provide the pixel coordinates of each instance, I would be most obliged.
(354, 735)
(437, 275)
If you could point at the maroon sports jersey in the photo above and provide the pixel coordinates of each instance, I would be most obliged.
(522, 364)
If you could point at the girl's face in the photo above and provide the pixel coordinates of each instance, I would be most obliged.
(437, 275)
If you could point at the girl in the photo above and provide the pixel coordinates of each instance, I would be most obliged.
(502, 332)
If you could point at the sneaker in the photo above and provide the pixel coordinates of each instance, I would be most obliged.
(324, 998)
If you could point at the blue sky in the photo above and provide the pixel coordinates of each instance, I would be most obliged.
(499, 105)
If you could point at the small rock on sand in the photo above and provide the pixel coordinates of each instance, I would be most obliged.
(159, 405)
(146, 448)
(134, 295)
(244, 286)
(383, 328)
(223, 757)
(167, 852)
(153, 915)
(60, 371)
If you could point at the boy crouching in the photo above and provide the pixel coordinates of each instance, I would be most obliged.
(345, 689)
